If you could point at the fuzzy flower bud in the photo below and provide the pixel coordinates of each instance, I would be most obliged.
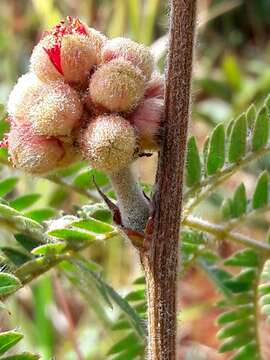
(138, 54)
(155, 86)
(37, 154)
(147, 120)
(53, 109)
(67, 52)
(108, 143)
(117, 86)
(31, 153)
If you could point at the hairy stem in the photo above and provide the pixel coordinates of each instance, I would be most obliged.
(133, 205)
(160, 258)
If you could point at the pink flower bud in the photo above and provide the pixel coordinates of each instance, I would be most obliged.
(138, 54)
(147, 120)
(67, 52)
(117, 86)
(31, 153)
(155, 86)
(108, 143)
(53, 109)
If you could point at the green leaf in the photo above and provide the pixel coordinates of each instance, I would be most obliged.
(4, 126)
(72, 235)
(25, 241)
(193, 163)
(251, 115)
(241, 282)
(260, 196)
(237, 142)
(216, 275)
(236, 342)
(239, 201)
(17, 257)
(8, 339)
(8, 284)
(238, 314)
(85, 179)
(205, 151)
(130, 313)
(93, 225)
(249, 352)
(139, 281)
(243, 258)
(227, 209)
(41, 215)
(137, 295)
(22, 356)
(126, 343)
(261, 130)
(25, 201)
(27, 223)
(8, 212)
(71, 170)
(235, 328)
(49, 249)
(232, 72)
(216, 150)
(7, 185)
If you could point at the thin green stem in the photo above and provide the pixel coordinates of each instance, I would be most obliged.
(220, 232)
(233, 223)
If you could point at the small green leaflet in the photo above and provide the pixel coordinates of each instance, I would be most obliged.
(7, 185)
(216, 150)
(193, 163)
(238, 138)
(261, 130)
(8, 339)
(8, 284)
(25, 201)
(260, 196)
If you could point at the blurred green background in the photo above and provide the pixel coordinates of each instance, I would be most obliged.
(232, 70)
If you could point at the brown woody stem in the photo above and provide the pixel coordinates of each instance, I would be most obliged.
(160, 260)
(132, 203)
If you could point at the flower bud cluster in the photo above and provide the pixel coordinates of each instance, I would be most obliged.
(85, 96)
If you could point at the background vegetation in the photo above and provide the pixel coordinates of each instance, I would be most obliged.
(231, 72)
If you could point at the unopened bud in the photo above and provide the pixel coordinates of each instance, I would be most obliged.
(147, 120)
(155, 86)
(138, 54)
(117, 86)
(108, 143)
(32, 153)
(67, 52)
(53, 109)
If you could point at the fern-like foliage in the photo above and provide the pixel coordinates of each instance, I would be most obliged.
(239, 321)
(227, 149)
(238, 207)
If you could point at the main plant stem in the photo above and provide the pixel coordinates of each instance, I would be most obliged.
(160, 260)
